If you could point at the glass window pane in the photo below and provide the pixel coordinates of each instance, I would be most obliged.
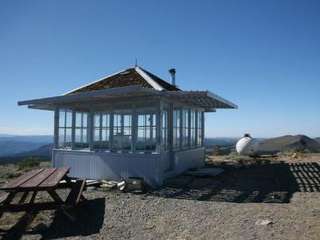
(121, 131)
(78, 119)
(85, 120)
(96, 120)
(62, 115)
(146, 139)
(96, 136)
(68, 119)
(105, 120)
(126, 120)
(84, 136)
(105, 135)
(68, 136)
(78, 135)
(61, 137)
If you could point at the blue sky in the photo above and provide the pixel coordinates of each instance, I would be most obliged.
(262, 55)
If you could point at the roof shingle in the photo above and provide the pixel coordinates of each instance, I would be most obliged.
(128, 77)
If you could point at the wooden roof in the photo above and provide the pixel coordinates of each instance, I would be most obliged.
(128, 77)
(130, 83)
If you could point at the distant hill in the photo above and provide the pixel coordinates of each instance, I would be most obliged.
(220, 141)
(289, 143)
(43, 151)
(11, 145)
(317, 139)
(27, 138)
(222, 145)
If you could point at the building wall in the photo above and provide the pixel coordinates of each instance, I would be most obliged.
(154, 168)
(113, 166)
(192, 158)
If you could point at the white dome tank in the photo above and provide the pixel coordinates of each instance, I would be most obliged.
(247, 145)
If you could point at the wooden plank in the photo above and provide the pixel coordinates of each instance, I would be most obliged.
(54, 179)
(38, 179)
(3, 196)
(6, 202)
(80, 196)
(55, 196)
(22, 179)
(24, 197)
(75, 193)
(33, 197)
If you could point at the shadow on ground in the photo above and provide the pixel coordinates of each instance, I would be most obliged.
(242, 182)
(88, 220)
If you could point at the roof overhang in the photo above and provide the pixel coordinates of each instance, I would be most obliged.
(203, 99)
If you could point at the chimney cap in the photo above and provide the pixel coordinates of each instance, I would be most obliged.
(172, 71)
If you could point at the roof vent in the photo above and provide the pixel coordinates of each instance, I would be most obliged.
(172, 71)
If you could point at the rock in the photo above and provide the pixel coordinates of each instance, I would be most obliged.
(263, 222)
(121, 185)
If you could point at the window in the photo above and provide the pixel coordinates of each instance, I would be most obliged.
(81, 130)
(185, 127)
(176, 129)
(193, 127)
(146, 139)
(101, 130)
(122, 131)
(200, 126)
(65, 128)
(127, 132)
(164, 130)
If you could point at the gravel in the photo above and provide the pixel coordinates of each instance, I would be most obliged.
(159, 215)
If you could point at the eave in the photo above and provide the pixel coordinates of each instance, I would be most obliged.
(204, 99)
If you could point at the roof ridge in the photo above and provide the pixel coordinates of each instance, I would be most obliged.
(158, 79)
(143, 77)
(96, 81)
(148, 78)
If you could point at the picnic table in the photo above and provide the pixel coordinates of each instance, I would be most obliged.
(46, 180)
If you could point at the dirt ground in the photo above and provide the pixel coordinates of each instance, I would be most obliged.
(284, 190)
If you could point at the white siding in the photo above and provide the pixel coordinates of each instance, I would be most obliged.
(115, 166)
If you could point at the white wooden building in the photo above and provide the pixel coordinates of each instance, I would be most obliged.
(129, 124)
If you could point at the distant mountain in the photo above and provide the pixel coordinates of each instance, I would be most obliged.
(220, 141)
(43, 151)
(289, 143)
(317, 139)
(11, 145)
(27, 138)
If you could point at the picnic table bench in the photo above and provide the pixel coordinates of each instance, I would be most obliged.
(46, 180)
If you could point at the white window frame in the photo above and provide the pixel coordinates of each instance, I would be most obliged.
(64, 127)
(148, 143)
(82, 128)
(103, 127)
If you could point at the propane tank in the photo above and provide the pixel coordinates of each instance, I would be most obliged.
(247, 145)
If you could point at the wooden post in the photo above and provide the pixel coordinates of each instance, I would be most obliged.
(202, 140)
(111, 131)
(158, 126)
(73, 130)
(180, 127)
(56, 128)
(196, 127)
(189, 128)
(170, 128)
(134, 129)
(90, 130)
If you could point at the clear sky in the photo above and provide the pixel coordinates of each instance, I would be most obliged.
(262, 55)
